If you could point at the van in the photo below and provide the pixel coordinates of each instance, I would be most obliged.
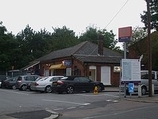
(144, 82)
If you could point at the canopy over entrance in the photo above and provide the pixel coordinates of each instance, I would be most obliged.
(57, 66)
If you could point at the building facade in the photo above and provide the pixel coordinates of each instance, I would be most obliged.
(85, 59)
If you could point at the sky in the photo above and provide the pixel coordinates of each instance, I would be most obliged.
(76, 15)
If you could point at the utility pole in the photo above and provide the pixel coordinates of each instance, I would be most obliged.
(149, 49)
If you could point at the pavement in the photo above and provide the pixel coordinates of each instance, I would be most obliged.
(134, 97)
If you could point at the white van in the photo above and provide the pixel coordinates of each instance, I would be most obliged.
(144, 82)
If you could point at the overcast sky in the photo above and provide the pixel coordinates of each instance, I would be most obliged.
(74, 14)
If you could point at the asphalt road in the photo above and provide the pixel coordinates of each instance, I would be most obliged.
(17, 104)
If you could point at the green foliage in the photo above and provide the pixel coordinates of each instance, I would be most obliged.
(29, 45)
(92, 34)
(7, 47)
(154, 15)
(63, 38)
(154, 45)
(138, 33)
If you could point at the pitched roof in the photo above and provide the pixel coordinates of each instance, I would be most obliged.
(61, 53)
(99, 59)
(84, 48)
(85, 51)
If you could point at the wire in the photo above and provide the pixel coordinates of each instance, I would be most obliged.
(116, 14)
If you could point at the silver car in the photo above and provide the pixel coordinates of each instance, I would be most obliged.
(23, 82)
(44, 84)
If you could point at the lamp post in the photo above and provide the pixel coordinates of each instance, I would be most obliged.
(149, 49)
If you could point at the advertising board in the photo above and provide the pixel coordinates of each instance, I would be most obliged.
(130, 70)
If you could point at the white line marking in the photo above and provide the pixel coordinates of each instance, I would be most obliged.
(59, 109)
(53, 114)
(110, 95)
(108, 100)
(97, 95)
(115, 101)
(71, 108)
(66, 102)
(48, 110)
(87, 95)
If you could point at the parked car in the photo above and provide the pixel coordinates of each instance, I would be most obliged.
(73, 84)
(44, 84)
(24, 81)
(10, 83)
(2, 78)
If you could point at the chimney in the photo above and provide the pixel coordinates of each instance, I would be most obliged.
(100, 44)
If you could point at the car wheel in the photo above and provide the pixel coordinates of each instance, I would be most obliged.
(48, 89)
(70, 90)
(13, 87)
(144, 90)
(23, 87)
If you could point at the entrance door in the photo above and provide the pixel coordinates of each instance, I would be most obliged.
(105, 75)
(92, 73)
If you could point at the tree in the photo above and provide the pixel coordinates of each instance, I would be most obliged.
(33, 44)
(63, 38)
(92, 34)
(138, 33)
(8, 47)
(24, 38)
(154, 15)
(154, 45)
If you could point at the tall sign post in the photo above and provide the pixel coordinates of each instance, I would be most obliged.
(125, 34)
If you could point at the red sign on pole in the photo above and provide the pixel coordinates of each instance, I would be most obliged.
(125, 34)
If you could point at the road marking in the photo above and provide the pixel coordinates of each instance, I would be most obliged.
(108, 100)
(86, 95)
(112, 101)
(71, 108)
(66, 102)
(15, 92)
(115, 101)
(53, 115)
(97, 95)
(110, 95)
(48, 110)
(58, 109)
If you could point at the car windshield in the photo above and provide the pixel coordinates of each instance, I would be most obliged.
(11, 79)
(64, 78)
(41, 78)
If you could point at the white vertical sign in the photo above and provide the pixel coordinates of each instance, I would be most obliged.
(130, 70)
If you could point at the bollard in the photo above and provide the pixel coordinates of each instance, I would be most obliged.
(139, 91)
(153, 90)
(95, 90)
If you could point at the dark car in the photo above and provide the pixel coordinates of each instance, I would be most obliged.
(24, 81)
(2, 78)
(73, 84)
(10, 83)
